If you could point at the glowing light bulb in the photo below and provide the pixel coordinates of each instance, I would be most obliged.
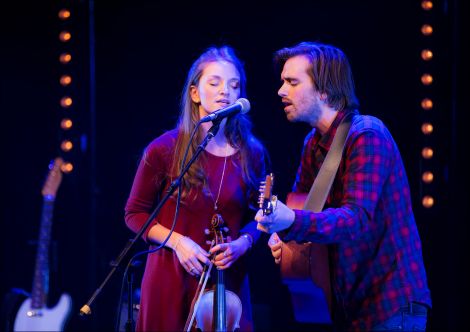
(427, 104)
(66, 124)
(428, 201)
(64, 14)
(427, 177)
(65, 80)
(66, 102)
(427, 4)
(427, 153)
(66, 145)
(66, 167)
(65, 58)
(427, 29)
(427, 128)
(426, 55)
(65, 36)
(426, 79)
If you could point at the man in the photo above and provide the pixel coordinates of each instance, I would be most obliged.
(377, 273)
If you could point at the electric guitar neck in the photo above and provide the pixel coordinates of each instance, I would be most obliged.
(33, 314)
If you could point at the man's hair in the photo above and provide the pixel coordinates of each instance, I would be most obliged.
(329, 69)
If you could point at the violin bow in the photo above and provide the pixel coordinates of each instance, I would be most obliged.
(199, 292)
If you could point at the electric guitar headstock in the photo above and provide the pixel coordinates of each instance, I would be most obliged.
(267, 201)
(53, 180)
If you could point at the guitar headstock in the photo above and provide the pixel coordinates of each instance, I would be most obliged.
(267, 201)
(53, 180)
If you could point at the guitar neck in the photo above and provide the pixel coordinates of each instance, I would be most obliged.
(41, 272)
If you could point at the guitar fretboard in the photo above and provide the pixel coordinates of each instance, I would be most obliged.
(41, 272)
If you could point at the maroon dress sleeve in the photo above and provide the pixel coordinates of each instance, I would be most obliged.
(148, 181)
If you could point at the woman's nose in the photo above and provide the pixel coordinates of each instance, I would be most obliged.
(224, 89)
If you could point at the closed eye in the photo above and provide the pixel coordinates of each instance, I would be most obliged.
(234, 83)
(290, 81)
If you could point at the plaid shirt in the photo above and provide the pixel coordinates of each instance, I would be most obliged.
(376, 262)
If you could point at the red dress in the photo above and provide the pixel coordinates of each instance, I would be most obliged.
(167, 289)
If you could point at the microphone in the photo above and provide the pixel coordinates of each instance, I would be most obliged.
(242, 105)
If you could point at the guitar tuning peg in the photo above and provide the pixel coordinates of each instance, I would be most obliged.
(208, 242)
(207, 231)
(225, 229)
(266, 200)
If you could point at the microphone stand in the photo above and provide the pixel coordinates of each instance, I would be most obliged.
(86, 309)
(130, 324)
(130, 310)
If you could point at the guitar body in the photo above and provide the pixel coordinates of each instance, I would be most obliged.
(305, 271)
(43, 319)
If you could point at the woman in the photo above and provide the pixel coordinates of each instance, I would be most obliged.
(224, 180)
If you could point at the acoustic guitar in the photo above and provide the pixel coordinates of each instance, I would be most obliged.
(33, 315)
(304, 267)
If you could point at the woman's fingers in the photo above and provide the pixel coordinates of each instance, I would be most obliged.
(227, 253)
(191, 255)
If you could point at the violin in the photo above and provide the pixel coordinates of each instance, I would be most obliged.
(217, 309)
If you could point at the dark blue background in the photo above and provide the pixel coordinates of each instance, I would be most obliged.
(143, 50)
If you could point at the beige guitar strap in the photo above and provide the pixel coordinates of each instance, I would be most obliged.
(321, 186)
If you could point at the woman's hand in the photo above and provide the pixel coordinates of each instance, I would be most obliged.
(230, 251)
(275, 244)
(190, 255)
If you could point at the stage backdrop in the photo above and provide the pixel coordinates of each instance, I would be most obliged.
(129, 61)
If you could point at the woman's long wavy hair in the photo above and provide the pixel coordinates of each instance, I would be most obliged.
(329, 69)
(237, 129)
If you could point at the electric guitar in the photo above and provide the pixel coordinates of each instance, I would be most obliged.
(304, 266)
(33, 315)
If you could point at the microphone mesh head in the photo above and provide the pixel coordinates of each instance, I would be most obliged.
(245, 105)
